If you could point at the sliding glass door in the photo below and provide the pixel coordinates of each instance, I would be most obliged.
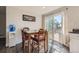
(54, 26)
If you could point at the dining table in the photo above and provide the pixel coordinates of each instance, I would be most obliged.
(31, 34)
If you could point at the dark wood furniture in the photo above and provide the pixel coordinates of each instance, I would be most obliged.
(35, 40)
(40, 41)
(25, 39)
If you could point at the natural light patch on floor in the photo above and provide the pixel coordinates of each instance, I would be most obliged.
(56, 47)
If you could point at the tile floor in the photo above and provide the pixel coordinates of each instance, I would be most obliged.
(55, 47)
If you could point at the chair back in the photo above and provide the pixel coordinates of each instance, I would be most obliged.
(41, 34)
(25, 29)
(25, 35)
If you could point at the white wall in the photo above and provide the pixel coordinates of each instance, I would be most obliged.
(14, 16)
(71, 21)
(73, 17)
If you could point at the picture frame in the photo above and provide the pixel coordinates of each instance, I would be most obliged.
(28, 18)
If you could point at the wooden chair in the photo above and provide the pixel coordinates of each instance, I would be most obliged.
(25, 40)
(39, 40)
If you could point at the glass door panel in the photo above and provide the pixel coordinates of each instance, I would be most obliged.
(49, 26)
(54, 26)
(58, 31)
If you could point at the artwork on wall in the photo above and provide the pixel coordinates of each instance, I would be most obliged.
(28, 18)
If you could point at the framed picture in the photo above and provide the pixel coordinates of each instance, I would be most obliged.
(28, 18)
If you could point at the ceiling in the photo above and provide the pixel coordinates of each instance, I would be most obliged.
(38, 9)
(32, 9)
